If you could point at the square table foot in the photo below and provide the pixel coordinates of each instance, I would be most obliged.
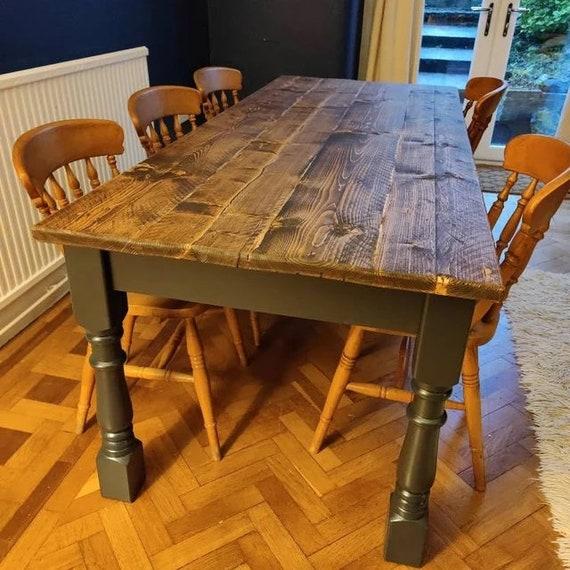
(121, 478)
(405, 539)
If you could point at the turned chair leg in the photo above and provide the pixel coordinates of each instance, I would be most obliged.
(254, 320)
(128, 329)
(403, 362)
(86, 392)
(340, 379)
(472, 396)
(162, 359)
(235, 331)
(202, 386)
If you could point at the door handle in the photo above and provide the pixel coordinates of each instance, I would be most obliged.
(510, 12)
(489, 11)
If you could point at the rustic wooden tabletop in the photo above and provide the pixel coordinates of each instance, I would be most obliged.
(365, 182)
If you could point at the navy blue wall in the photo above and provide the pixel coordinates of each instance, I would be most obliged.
(295, 37)
(40, 32)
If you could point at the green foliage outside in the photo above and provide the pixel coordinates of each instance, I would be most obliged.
(545, 18)
(540, 47)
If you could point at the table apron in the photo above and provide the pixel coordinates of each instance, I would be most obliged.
(277, 293)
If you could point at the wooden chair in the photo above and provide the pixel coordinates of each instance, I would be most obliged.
(215, 83)
(148, 109)
(545, 160)
(37, 154)
(486, 94)
(154, 105)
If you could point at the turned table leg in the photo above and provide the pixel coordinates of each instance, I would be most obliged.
(439, 353)
(100, 310)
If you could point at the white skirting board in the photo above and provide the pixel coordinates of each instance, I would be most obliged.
(26, 305)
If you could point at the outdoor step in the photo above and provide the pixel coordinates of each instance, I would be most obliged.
(447, 42)
(457, 80)
(448, 36)
(449, 11)
(444, 16)
(446, 54)
(445, 66)
(449, 31)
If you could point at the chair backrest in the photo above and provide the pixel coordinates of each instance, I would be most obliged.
(39, 152)
(213, 83)
(546, 160)
(149, 107)
(486, 94)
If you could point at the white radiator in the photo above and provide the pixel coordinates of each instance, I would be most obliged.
(32, 276)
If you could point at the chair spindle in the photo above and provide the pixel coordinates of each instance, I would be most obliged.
(92, 174)
(58, 192)
(73, 182)
(514, 221)
(497, 207)
(164, 134)
(45, 204)
(112, 162)
(154, 139)
(178, 127)
(215, 104)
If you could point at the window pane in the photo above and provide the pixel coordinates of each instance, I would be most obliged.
(538, 71)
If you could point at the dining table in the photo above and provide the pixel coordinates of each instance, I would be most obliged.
(331, 199)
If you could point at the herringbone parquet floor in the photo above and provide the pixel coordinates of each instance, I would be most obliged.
(268, 503)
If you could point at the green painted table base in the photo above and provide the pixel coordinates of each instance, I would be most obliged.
(99, 281)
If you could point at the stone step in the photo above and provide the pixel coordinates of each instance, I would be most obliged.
(462, 37)
(457, 80)
(445, 60)
(433, 30)
(461, 42)
(447, 16)
(446, 54)
(450, 11)
(464, 10)
(445, 66)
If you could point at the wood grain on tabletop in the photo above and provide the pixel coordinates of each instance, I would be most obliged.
(366, 182)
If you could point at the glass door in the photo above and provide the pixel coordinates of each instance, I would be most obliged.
(534, 36)
(527, 42)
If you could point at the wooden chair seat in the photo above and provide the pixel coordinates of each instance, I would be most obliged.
(545, 160)
(149, 305)
(157, 302)
(38, 156)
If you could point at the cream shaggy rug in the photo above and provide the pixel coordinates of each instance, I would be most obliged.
(539, 311)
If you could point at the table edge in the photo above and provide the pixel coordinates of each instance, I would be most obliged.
(441, 285)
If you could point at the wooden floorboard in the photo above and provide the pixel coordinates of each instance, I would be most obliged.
(268, 503)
